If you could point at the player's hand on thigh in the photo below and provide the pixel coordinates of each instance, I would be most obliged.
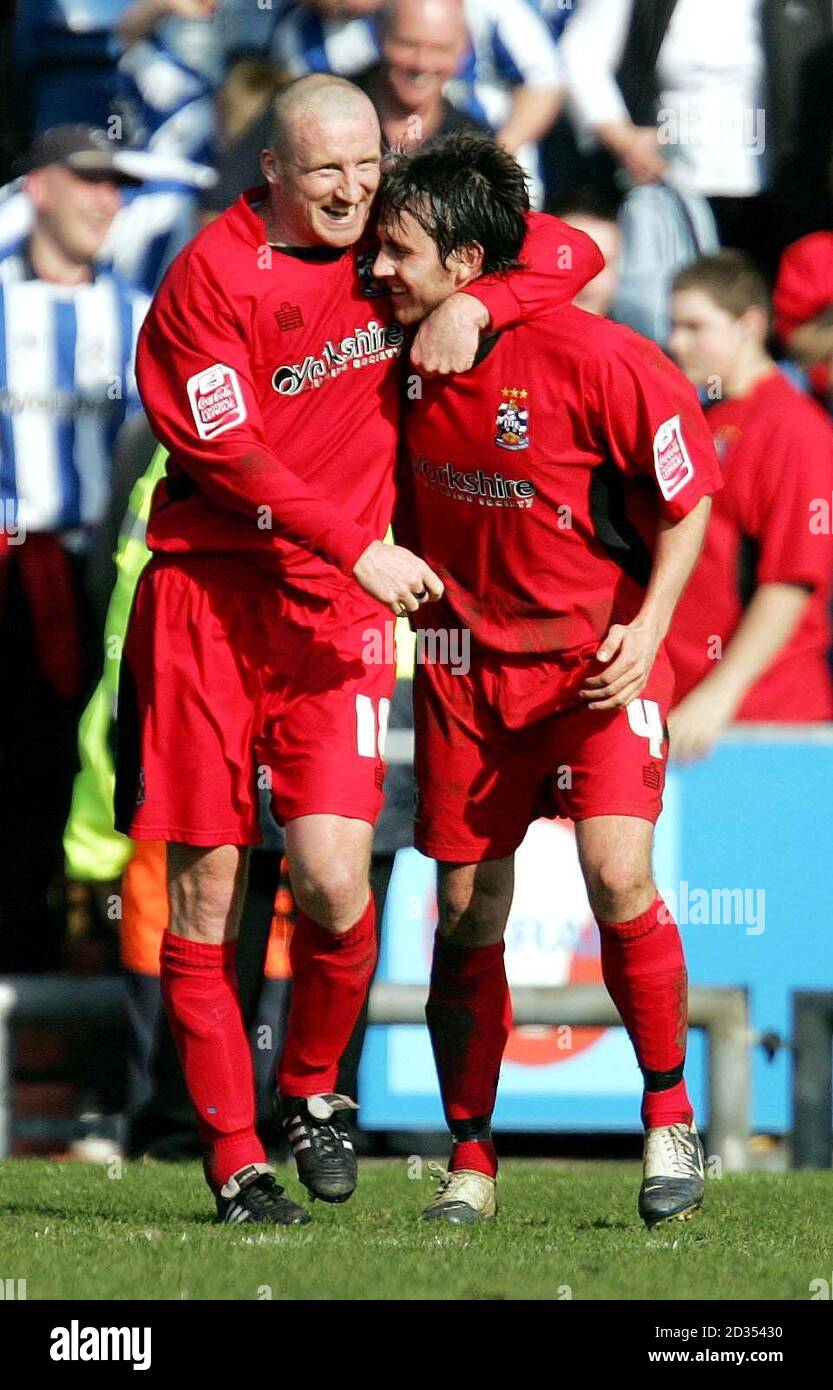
(448, 339)
(397, 577)
(628, 652)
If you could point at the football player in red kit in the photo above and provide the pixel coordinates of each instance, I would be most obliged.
(560, 491)
(268, 366)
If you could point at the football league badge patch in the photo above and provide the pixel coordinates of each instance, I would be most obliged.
(672, 463)
(217, 400)
(512, 423)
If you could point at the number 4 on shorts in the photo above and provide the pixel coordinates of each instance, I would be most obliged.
(368, 741)
(646, 721)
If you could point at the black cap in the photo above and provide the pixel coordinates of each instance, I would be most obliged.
(83, 149)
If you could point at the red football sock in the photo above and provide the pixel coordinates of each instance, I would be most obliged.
(199, 990)
(644, 969)
(469, 1013)
(330, 979)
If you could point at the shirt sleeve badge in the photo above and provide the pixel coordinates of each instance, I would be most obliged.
(671, 458)
(216, 399)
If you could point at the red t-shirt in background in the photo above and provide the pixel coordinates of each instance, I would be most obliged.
(804, 287)
(803, 290)
(776, 450)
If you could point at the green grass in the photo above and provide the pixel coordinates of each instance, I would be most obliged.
(73, 1232)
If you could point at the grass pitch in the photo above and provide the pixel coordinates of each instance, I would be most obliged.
(563, 1230)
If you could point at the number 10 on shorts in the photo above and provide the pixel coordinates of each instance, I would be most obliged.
(370, 732)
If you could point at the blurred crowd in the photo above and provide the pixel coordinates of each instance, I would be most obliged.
(692, 139)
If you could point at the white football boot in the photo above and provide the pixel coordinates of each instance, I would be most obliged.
(672, 1174)
(463, 1198)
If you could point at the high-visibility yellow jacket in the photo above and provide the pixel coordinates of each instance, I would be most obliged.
(94, 850)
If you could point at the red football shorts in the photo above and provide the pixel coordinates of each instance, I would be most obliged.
(510, 741)
(229, 685)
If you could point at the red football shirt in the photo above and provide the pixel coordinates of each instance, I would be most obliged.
(272, 378)
(535, 481)
(776, 450)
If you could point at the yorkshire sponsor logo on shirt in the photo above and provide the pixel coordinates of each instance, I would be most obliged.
(487, 489)
(77, 1343)
(362, 348)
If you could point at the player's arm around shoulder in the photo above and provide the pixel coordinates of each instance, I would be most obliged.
(555, 262)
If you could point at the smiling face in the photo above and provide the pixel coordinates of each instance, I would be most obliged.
(409, 264)
(75, 212)
(422, 45)
(324, 174)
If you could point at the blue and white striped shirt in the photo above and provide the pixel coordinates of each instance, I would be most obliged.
(510, 45)
(149, 229)
(67, 356)
(168, 105)
(557, 13)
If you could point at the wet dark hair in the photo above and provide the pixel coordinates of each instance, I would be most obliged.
(461, 189)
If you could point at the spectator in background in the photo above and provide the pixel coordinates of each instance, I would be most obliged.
(594, 213)
(66, 386)
(244, 116)
(62, 65)
(421, 45)
(798, 37)
(674, 89)
(635, 284)
(509, 79)
(803, 304)
(244, 30)
(167, 72)
(154, 221)
(163, 132)
(564, 164)
(750, 637)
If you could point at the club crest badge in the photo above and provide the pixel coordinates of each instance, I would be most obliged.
(512, 423)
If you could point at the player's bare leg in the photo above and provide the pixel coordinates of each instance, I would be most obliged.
(644, 969)
(333, 955)
(469, 1017)
(206, 887)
